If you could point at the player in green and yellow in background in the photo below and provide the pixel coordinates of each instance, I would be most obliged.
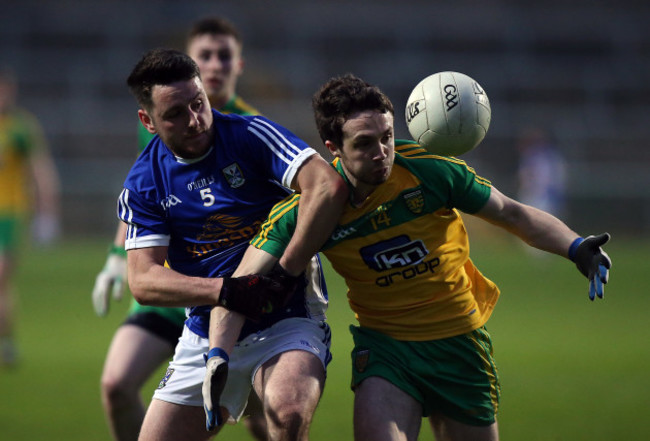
(149, 334)
(29, 186)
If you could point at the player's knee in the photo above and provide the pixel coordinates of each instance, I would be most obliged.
(290, 420)
(116, 391)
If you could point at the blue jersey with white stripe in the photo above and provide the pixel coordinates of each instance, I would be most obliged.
(206, 210)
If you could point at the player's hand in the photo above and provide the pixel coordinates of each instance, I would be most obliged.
(216, 374)
(593, 262)
(253, 295)
(110, 281)
(288, 282)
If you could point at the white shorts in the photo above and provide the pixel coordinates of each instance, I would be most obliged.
(183, 380)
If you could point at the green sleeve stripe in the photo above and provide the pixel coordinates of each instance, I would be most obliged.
(283, 206)
(405, 142)
(482, 181)
(414, 150)
(408, 148)
(477, 178)
(278, 210)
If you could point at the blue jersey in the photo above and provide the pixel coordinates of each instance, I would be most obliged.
(206, 210)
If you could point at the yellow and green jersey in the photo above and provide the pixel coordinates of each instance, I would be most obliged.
(236, 105)
(20, 136)
(404, 253)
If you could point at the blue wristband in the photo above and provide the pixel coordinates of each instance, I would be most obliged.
(216, 352)
(574, 247)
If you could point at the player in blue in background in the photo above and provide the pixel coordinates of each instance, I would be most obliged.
(194, 198)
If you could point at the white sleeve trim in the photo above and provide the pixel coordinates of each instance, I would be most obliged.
(274, 140)
(152, 240)
(291, 171)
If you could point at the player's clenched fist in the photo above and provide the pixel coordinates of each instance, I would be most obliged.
(255, 295)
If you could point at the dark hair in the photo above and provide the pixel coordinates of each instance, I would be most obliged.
(214, 26)
(339, 98)
(159, 67)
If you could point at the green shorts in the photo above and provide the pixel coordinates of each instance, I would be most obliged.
(166, 323)
(455, 376)
(10, 231)
(174, 315)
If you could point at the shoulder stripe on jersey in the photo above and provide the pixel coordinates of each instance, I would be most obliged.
(410, 149)
(126, 214)
(277, 212)
(417, 152)
(482, 181)
(126, 211)
(274, 140)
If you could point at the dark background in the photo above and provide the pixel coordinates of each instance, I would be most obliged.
(579, 69)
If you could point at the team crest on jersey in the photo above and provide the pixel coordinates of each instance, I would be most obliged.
(164, 380)
(414, 201)
(234, 175)
(361, 360)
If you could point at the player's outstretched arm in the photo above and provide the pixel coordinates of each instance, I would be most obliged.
(154, 284)
(544, 231)
(225, 326)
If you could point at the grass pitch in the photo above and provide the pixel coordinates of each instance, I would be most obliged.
(570, 369)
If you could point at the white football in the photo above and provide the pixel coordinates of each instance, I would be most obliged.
(448, 113)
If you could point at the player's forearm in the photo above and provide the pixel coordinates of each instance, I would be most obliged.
(537, 228)
(158, 290)
(153, 284)
(225, 326)
(318, 213)
(542, 230)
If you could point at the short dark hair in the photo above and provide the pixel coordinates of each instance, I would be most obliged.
(214, 26)
(159, 67)
(339, 98)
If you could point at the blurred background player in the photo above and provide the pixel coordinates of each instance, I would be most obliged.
(29, 186)
(541, 177)
(149, 334)
(541, 174)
